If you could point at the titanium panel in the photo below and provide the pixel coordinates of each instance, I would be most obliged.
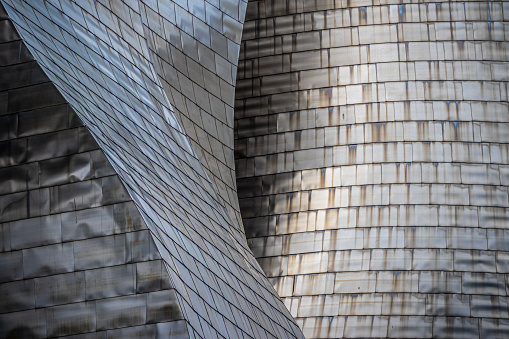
(70, 319)
(121, 311)
(60, 289)
(17, 296)
(30, 323)
(110, 282)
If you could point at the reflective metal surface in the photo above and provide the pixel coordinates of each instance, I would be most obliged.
(153, 82)
(76, 258)
(371, 157)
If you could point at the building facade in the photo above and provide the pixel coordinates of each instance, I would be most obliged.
(153, 82)
(371, 158)
(372, 164)
(76, 255)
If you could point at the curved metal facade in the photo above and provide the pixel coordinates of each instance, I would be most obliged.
(372, 164)
(75, 254)
(153, 83)
(372, 156)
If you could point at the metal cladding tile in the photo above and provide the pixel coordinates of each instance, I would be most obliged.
(496, 239)
(126, 217)
(493, 328)
(474, 261)
(306, 304)
(313, 284)
(142, 332)
(65, 170)
(171, 329)
(13, 206)
(5, 238)
(35, 232)
(52, 145)
(502, 263)
(360, 304)
(97, 252)
(11, 123)
(31, 122)
(365, 327)
(322, 327)
(110, 282)
(47, 260)
(39, 202)
(98, 161)
(394, 260)
(30, 324)
(355, 282)
(350, 260)
(431, 259)
(440, 282)
(149, 276)
(121, 311)
(33, 97)
(489, 306)
(140, 247)
(448, 305)
(306, 263)
(63, 198)
(410, 327)
(89, 223)
(449, 327)
(404, 304)
(483, 283)
(71, 319)
(17, 296)
(11, 269)
(162, 306)
(90, 335)
(15, 179)
(59, 289)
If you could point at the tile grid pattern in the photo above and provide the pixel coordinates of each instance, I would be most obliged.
(195, 48)
(75, 255)
(98, 56)
(372, 153)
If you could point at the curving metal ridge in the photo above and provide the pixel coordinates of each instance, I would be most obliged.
(153, 82)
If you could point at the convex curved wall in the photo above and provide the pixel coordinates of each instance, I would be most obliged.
(372, 164)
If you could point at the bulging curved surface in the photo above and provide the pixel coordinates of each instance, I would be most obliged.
(372, 159)
(101, 58)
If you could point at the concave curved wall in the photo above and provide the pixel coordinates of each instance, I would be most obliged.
(372, 156)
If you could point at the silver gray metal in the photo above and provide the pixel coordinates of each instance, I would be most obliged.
(77, 247)
(371, 156)
(153, 81)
